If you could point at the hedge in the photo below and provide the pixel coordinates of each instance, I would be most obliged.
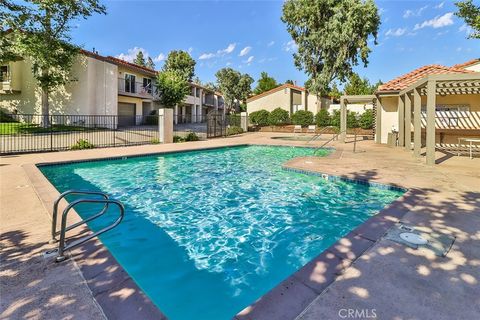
(260, 117)
(278, 117)
(303, 118)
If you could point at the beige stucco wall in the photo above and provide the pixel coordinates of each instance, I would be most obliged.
(92, 90)
(278, 99)
(357, 107)
(475, 67)
(389, 116)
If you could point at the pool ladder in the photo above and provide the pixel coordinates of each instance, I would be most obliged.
(62, 245)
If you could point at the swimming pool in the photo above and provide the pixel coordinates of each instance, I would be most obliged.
(209, 232)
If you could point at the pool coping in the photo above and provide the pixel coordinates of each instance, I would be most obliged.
(285, 301)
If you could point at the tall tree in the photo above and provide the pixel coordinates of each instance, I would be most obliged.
(235, 87)
(265, 83)
(140, 59)
(180, 61)
(331, 35)
(471, 14)
(40, 31)
(150, 63)
(290, 81)
(359, 86)
(334, 92)
(172, 87)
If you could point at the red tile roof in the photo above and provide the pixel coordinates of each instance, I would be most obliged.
(405, 80)
(467, 64)
(283, 86)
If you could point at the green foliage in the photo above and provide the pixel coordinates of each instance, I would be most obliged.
(336, 118)
(260, 117)
(278, 116)
(192, 136)
(365, 120)
(334, 92)
(82, 144)
(359, 86)
(140, 59)
(180, 62)
(150, 64)
(155, 141)
(331, 35)
(234, 86)
(234, 119)
(303, 118)
(212, 86)
(289, 82)
(172, 87)
(265, 83)
(177, 139)
(4, 117)
(471, 14)
(243, 107)
(323, 118)
(234, 130)
(352, 121)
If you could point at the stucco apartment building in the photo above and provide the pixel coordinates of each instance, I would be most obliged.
(456, 115)
(102, 85)
(288, 97)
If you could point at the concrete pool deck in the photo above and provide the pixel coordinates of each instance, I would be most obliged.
(388, 279)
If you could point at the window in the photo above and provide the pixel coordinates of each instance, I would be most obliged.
(130, 83)
(197, 94)
(4, 74)
(147, 85)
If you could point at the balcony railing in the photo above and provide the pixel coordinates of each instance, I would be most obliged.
(137, 89)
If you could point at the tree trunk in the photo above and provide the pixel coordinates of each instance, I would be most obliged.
(45, 123)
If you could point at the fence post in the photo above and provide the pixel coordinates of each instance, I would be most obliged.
(51, 131)
(165, 125)
(244, 121)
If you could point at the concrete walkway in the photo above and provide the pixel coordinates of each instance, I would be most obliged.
(390, 280)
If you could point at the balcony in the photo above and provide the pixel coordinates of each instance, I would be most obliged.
(137, 89)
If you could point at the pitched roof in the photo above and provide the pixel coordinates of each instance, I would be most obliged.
(467, 64)
(405, 80)
(281, 87)
(132, 66)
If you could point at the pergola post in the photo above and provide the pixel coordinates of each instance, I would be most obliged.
(401, 120)
(417, 123)
(408, 122)
(430, 128)
(343, 119)
(378, 122)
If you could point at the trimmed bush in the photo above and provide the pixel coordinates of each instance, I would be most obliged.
(352, 121)
(336, 118)
(234, 130)
(82, 144)
(177, 139)
(278, 117)
(323, 118)
(259, 118)
(303, 118)
(192, 136)
(366, 119)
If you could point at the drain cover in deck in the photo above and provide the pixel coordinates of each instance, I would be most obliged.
(440, 244)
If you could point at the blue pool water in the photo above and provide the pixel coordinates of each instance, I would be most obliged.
(206, 233)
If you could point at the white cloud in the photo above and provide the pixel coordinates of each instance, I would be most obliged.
(159, 58)
(437, 22)
(465, 28)
(249, 60)
(440, 5)
(219, 53)
(290, 46)
(245, 51)
(271, 43)
(414, 13)
(396, 32)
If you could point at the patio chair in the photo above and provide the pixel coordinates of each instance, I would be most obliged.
(312, 128)
(297, 129)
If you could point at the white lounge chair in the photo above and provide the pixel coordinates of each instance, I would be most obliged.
(312, 129)
(297, 129)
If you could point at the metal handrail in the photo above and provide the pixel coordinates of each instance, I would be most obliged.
(330, 140)
(55, 210)
(315, 137)
(63, 229)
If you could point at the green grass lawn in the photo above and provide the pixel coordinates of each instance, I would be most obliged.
(8, 128)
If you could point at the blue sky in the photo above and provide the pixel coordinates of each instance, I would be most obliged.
(250, 37)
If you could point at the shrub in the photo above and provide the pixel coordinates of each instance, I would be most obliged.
(260, 117)
(323, 118)
(155, 141)
(234, 130)
(366, 119)
(82, 144)
(192, 136)
(352, 121)
(4, 117)
(302, 117)
(234, 119)
(278, 117)
(336, 118)
(177, 139)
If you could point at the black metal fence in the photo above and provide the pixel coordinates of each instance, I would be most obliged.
(33, 133)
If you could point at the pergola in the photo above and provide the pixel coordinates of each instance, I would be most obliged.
(429, 86)
(344, 100)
